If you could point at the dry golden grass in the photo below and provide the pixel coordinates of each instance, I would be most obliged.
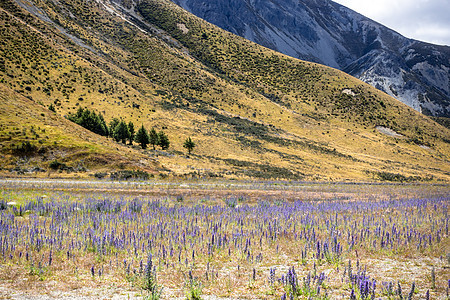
(55, 138)
(253, 113)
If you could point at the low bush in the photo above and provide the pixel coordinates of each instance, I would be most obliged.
(24, 148)
(130, 174)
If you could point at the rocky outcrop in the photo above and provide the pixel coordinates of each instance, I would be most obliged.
(323, 31)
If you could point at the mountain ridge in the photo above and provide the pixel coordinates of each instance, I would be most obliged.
(326, 32)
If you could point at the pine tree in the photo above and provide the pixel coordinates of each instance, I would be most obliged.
(78, 114)
(189, 144)
(90, 120)
(102, 125)
(121, 133)
(112, 128)
(154, 138)
(142, 137)
(131, 132)
(163, 140)
(85, 119)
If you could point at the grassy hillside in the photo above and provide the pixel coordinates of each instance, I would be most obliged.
(253, 113)
(36, 141)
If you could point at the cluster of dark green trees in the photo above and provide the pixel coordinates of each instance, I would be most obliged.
(120, 131)
(90, 120)
(117, 129)
(143, 137)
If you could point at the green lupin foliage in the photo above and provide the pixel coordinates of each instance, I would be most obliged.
(194, 288)
(150, 283)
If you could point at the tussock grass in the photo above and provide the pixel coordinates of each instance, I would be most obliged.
(274, 116)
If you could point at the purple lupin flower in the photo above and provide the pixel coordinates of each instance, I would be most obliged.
(411, 293)
(448, 288)
(352, 295)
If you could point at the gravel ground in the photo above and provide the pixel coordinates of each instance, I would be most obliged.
(85, 294)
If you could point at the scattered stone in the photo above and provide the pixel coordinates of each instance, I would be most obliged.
(389, 132)
(348, 92)
(183, 28)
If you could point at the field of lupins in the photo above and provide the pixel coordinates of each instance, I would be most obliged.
(320, 242)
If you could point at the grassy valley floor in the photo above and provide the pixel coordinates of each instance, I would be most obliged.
(222, 240)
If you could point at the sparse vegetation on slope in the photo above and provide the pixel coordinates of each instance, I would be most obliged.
(251, 111)
(37, 142)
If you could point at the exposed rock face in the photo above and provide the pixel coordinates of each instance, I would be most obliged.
(323, 31)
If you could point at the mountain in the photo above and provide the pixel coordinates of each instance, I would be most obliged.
(416, 73)
(252, 112)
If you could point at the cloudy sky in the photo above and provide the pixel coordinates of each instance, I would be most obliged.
(424, 20)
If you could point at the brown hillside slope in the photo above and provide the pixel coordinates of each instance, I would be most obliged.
(252, 112)
(32, 137)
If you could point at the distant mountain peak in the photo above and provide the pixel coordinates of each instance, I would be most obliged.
(414, 72)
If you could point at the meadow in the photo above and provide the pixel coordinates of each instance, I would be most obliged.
(231, 239)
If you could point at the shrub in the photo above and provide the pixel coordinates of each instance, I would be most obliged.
(24, 148)
(56, 165)
(394, 177)
(100, 175)
(3, 205)
(130, 174)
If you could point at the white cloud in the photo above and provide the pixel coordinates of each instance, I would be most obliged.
(425, 20)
